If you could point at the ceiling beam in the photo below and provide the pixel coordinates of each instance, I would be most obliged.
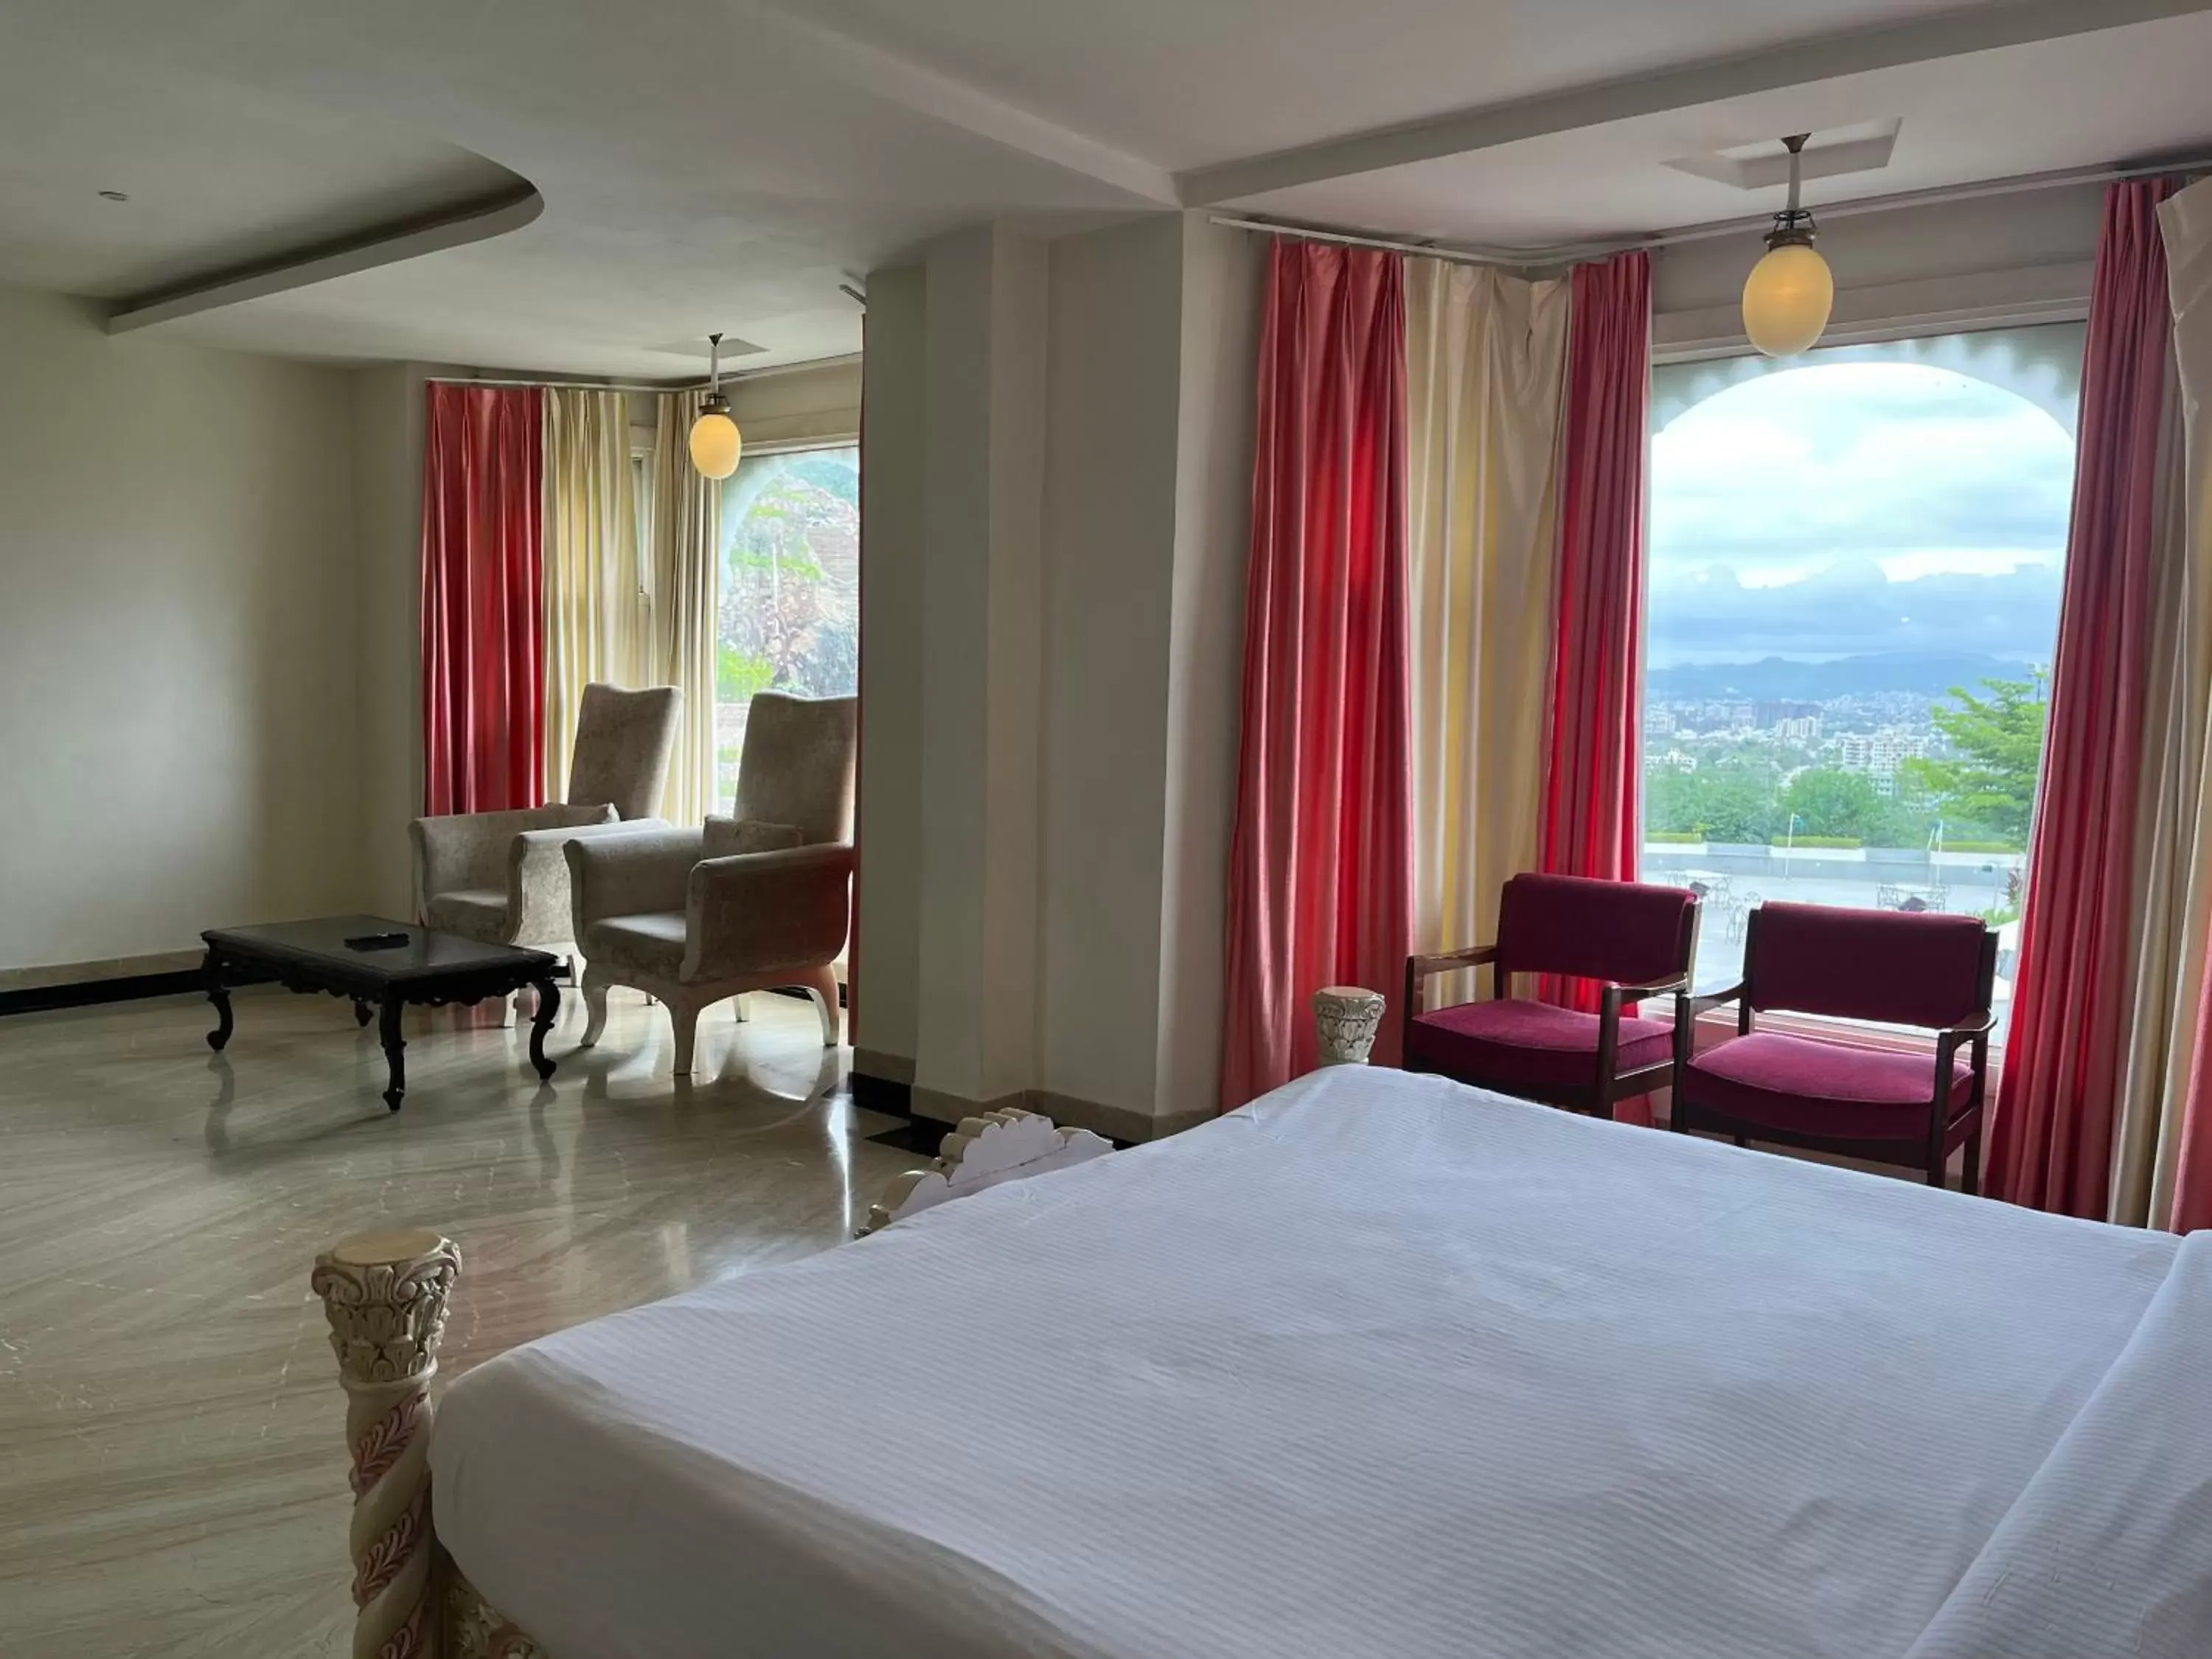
(1946, 34)
(365, 250)
(941, 97)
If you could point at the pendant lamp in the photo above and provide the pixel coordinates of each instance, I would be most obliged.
(1789, 292)
(715, 443)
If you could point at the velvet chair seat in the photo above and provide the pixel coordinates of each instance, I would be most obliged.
(1805, 1086)
(1928, 970)
(1636, 942)
(1512, 1042)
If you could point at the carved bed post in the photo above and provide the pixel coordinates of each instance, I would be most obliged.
(385, 1296)
(1346, 1020)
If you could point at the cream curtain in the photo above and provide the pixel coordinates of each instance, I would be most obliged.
(594, 583)
(1486, 373)
(2174, 856)
(682, 582)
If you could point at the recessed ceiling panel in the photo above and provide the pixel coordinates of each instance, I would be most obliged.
(217, 173)
(2126, 94)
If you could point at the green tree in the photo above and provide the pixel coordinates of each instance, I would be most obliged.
(1724, 804)
(739, 674)
(1847, 805)
(1839, 803)
(1990, 780)
(783, 622)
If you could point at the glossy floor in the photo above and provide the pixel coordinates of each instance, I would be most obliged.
(172, 1470)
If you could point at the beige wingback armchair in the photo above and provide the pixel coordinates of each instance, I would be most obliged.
(758, 900)
(499, 877)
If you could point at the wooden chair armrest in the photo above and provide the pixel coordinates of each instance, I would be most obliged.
(1474, 956)
(1972, 1034)
(1654, 988)
(1714, 1000)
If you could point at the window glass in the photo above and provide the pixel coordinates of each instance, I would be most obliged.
(1855, 576)
(790, 615)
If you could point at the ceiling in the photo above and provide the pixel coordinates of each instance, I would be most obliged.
(725, 164)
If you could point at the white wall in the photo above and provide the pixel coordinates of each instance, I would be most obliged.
(1222, 275)
(1115, 363)
(209, 622)
(178, 656)
(1154, 329)
(983, 449)
(1066, 677)
(388, 418)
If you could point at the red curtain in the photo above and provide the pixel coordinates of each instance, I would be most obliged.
(1320, 860)
(2192, 1181)
(1589, 810)
(2051, 1135)
(483, 631)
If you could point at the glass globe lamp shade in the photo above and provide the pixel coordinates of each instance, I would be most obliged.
(715, 444)
(1787, 299)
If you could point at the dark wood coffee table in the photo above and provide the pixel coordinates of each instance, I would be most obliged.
(435, 968)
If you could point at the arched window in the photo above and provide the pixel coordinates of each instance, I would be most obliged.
(1855, 576)
(789, 612)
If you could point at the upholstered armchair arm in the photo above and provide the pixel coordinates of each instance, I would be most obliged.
(636, 872)
(756, 913)
(537, 874)
(472, 849)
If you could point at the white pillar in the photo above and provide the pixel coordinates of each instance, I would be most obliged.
(982, 678)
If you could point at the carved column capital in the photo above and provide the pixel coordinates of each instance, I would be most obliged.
(384, 1294)
(1345, 1019)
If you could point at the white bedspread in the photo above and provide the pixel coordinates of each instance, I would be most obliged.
(1378, 1366)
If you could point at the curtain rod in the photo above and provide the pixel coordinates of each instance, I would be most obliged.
(577, 383)
(1572, 252)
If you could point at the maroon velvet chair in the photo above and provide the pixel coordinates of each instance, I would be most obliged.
(1886, 1105)
(1636, 940)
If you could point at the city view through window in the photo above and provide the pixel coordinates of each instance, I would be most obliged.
(1855, 560)
(789, 615)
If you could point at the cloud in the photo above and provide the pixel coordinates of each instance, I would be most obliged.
(1851, 607)
(1791, 470)
(1855, 507)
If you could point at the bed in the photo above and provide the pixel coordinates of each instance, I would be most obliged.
(1378, 1366)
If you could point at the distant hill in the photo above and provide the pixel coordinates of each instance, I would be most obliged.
(1929, 673)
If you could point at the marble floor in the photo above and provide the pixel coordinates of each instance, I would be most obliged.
(172, 1467)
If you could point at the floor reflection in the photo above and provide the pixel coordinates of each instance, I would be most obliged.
(168, 1412)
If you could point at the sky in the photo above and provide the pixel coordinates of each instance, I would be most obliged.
(1845, 507)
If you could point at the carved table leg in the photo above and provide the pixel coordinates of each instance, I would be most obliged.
(219, 994)
(395, 1046)
(384, 1295)
(361, 1012)
(548, 1004)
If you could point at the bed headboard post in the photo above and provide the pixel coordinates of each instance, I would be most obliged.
(384, 1294)
(1346, 1020)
